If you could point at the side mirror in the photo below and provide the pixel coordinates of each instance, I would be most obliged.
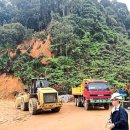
(86, 86)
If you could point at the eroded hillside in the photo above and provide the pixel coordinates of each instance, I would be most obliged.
(8, 85)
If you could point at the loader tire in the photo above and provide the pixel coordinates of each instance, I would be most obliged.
(17, 106)
(24, 105)
(33, 106)
(57, 109)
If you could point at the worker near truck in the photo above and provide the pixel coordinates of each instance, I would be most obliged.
(118, 116)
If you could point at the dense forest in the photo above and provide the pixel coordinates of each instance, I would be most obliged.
(90, 39)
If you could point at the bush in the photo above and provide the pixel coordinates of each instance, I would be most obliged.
(98, 37)
(13, 33)
(40, 35)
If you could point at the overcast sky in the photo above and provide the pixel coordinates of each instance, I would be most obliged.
(127, 3)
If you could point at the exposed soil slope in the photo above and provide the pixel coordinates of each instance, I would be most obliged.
(8, 85)
(37, 48)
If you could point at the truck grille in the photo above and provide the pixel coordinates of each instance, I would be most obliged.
(50, 97)
(100, 95)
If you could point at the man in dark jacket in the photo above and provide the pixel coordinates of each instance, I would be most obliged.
(118, 117)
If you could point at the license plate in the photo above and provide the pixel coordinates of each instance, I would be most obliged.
(100, 95)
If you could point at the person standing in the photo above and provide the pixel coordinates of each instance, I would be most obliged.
(118, 116)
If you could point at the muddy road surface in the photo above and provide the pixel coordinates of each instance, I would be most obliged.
(69, 118)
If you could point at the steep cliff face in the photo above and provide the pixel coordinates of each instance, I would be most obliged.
(37, 48)
(8, 85)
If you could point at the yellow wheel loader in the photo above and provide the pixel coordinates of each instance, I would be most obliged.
(38, 97)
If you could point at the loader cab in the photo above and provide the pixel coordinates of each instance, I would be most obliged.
(38, 83)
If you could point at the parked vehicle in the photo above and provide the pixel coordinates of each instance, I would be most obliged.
(39, 97)
(92, 93)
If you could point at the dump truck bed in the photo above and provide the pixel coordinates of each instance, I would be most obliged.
(77, 90)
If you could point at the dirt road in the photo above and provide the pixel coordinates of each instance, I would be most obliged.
(69, 118)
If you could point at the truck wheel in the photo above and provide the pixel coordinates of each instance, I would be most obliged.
(106, 106)
(86, 106)
(75, 101)
(33, 106)
(24, 105)
(57, 109)
(17, 106)
(79, 103)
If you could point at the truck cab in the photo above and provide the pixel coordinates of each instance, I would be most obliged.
(92, 93)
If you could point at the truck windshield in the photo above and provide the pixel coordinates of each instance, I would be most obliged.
(98, 86)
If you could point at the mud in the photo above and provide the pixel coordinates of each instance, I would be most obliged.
(69, 118)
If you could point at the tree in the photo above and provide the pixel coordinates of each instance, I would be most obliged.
(127, 22)
(5, 63)
(63, 37)
(27, 68)
(13, 33)
(105, 3)
(129, 33)
(6, 12)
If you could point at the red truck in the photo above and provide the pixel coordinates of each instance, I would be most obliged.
(92, 93)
